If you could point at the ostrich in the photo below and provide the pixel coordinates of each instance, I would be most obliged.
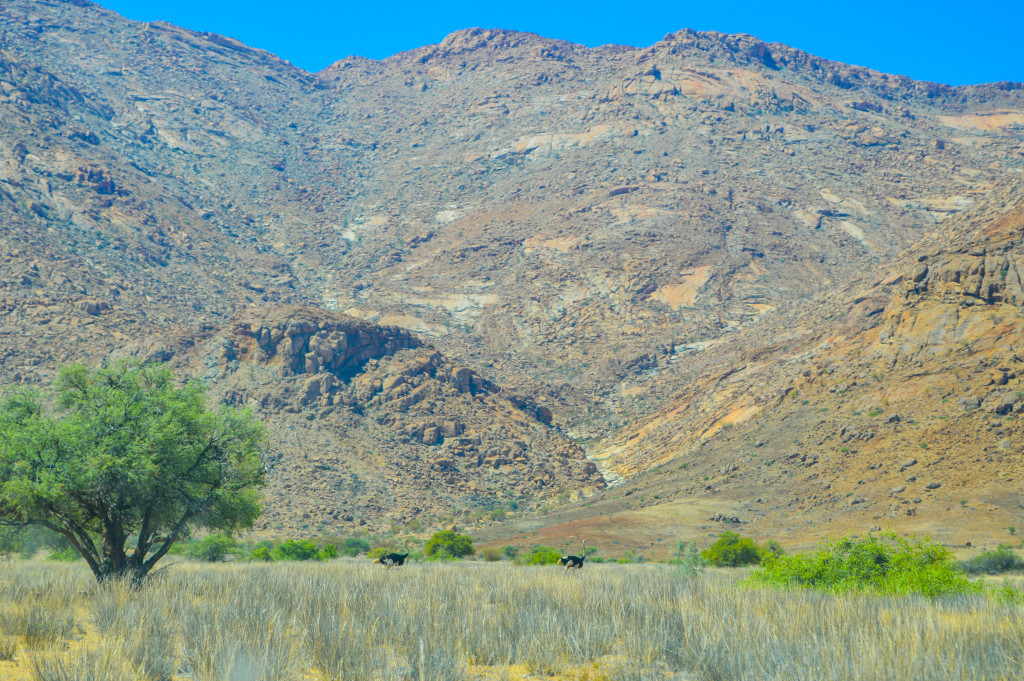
(574, 561)
(393, 559)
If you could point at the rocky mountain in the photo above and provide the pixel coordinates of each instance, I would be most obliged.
(640, 253)
(894, 404)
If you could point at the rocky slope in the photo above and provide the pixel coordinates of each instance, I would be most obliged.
(631, 242)
(895, 405)
(371, 425)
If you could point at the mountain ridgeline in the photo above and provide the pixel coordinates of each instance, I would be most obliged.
(734, 278)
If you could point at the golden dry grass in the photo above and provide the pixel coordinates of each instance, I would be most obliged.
(351, 620)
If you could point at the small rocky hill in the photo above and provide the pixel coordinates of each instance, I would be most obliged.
(371, 426)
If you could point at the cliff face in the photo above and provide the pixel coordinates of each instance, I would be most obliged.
(645, 248)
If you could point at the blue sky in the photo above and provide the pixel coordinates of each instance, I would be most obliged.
(942, 41)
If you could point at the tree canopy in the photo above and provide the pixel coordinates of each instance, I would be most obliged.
(126, 463)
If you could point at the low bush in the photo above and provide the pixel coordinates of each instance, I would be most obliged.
(449, 544)
(296, 549)
(732, 550)
(353, 546)
(687, 558)
(993, 562)
(886, 564)
(212, 549)
(543, 555)
(492, 554)
(261, 553)
(68, 555)
(292, 550)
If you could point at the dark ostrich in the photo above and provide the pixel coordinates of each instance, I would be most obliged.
(574, 561)
(394, 559)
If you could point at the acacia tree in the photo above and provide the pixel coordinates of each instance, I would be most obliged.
(128, 463)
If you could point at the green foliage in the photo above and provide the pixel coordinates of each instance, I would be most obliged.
(292, 550)
(353, 546)
(492, 554)
(732, 550)
(449, 544)
(1007, 594)
(212, 549)
(68, 555)
(511, 552)
(498, 515)
(886, 564)
(296, 549)
(128, 443)
(993, 562)
(544, 555)
(26, 541)
(261, 554)
(687, 559)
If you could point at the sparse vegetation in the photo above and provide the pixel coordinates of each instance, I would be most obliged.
(448, 622)
(687, 558)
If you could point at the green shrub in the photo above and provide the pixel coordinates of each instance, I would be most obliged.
(687, 559)
(212, 549)
(511, 552)
(492, 554)
(886, 564)
(353, 546)
(544, 555)
(327, 552)
(68, 555)
(993, 562)
(296, 549)
(261, 553)
(449, 544)
(732, 550)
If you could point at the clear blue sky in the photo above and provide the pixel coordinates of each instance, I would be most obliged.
(942, 41)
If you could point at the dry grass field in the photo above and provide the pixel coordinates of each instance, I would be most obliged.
(348, 620)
